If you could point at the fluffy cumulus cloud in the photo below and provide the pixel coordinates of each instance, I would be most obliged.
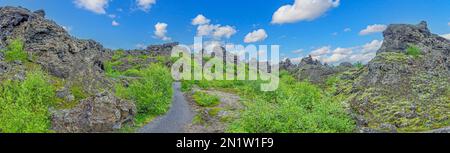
(370, 29)
(363, 53)
(96, 6)
(224, 31)
(145, 4)
(255, 36)
(215, 31)
(446, 36)
(200, 20)
(321, 51)
(303, 10)
(115, 23)
(161, 31)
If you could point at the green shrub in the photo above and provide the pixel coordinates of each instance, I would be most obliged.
(118, 54)
(15, 51)
(358, 65)
(299, 107)
(413, 51)
(153, 92)
(24, 105)
(78, 92)
(132, 73)
(205, 100)
(109, 68)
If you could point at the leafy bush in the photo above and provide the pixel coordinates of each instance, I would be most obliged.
(296, 107)
(109, 68)
(78, 92)
(24, 105)
(15, 51)
(413, 51)
(358, 65)
(132, 73)
(205, 100)
(152, 93)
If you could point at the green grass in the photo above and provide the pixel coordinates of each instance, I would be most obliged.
(358, 65)
(78, 92)
(205, 100)
(109, 68)
(413, 51)
(24, 105)
(15, 52)
(152, 93)
(297, 107)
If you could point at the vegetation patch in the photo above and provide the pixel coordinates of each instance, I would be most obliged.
(205, 100)
(413, 51)
(152, 93)
(15, 51)
(296, 107)
(24, 105)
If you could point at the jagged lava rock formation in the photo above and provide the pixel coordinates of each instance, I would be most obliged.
(76, 63)
(399, 92)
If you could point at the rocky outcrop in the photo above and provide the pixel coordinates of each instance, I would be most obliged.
(101, 113)
(401, 92)
(162, 50)
(55, 50)
(72, 62)
(310, 69)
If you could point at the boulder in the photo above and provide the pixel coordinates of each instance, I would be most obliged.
(101, 113)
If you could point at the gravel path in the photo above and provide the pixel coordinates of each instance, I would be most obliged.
(179, 115)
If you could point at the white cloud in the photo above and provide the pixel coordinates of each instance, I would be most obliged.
(67, 28)
(372, 46)
(446, 36)
(298, 51)
(321, 51)
(115, 23)
(200, 20)
(255, 36)
(145, 4)
(370, 29)
(363, 53)
(303, 10)
(96, 6)
(216, 31)
(161, 31)
(347, 29)
(140, 46)
(224, 31)
(448, 23)
(112, 16)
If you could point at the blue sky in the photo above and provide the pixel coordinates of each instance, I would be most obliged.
(331, 30)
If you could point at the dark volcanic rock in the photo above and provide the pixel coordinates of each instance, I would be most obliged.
(346, 64)
(287, 65)
(161, 50)
(76, 63)
(401, 92)
(309, 61)
(313, 70)
(398, 37)
(59, 53)
(102, 113)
